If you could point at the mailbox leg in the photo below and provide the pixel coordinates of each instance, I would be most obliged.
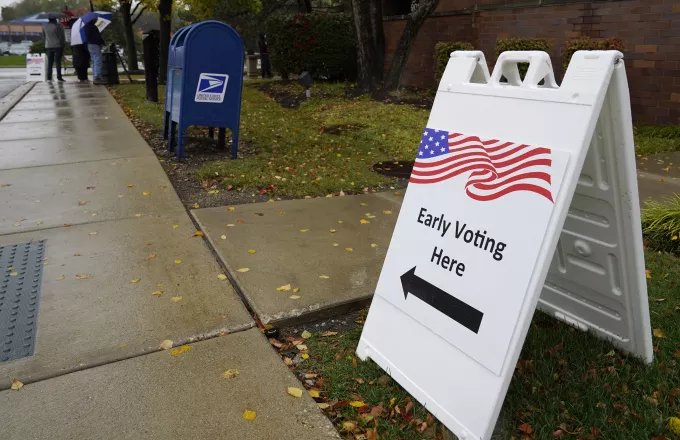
(211, 132)
(180, 142)
(221, 134)
(171, 142)
(166, 126)
(234, 144)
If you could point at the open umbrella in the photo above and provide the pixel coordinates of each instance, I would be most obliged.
(103, 19)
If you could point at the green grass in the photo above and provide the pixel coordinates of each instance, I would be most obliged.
(292, 153)
(656, 139)
(566, 380)
(13, 61)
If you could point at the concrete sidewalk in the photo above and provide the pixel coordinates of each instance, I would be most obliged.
(122, 272)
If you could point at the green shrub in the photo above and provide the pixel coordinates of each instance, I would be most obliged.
(658, 131)
(322, 44)
(37, 47)
(587, 43)
(506, 44)
(442, 53)
(661, 224)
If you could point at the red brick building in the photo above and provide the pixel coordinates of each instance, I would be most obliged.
(649, 28)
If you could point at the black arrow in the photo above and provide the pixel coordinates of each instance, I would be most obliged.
(462, 313)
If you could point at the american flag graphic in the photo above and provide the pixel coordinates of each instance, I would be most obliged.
(496, 167)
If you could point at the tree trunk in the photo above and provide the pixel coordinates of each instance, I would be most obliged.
(305, 6)
(165, 12)
(370, 42)
(415, 22)
(128, 33)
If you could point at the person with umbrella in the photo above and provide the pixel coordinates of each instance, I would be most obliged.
(55, 39)
(94, 41)
(81, 56)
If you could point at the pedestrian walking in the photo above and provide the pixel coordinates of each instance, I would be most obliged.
(81, 57)
(264, 56)
(55, 39)
(94, 46)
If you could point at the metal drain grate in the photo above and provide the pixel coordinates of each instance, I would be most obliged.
(20, 280)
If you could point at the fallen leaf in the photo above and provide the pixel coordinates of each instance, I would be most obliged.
(304, 230)
(178, 261)
(673, 424)
(138, 215)
(92, 233)
(251, 251)
(249, 415)
(296, 290)
(83, 202)
(363, 204)
(373, 245)
(357, 404)
(294, 297)
(221, 277)
(648, 274)
(146, 193)
(5, 185)
(39, 222)
(60, 278)
(175, 226)
(68, 225)
(129, 185)
(387, 212)
(323, 405)
(305, 356)
(295, 392)
(198, 234)
(675, 237)
(285, 287)
(176, 299)
(166, 344)
(336, 244)
(83, 276)
(325, 277)
(231, 225)
(157, 293)
(339, 222)
(349, 249)
(658, 333)
(195, 206)
(329, 334)
(332, 231)
(242, 270)
(13, 274)
(135, 280)
(314, 393)
(306, 335)
(230, 373)
(180, 350)
(349, 426)
(301, 347)
(363, 221)
(526, 428)
(223, 237)
(151, 257)
(159, 285)
(230, 208)
(17, 385)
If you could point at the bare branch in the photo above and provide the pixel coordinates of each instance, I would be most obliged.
(134, 20)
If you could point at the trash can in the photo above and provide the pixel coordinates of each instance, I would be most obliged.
(109, 73)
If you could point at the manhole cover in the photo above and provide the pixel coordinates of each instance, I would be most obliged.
(20, 280)
(397, 168)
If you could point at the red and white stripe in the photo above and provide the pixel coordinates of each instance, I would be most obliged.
(497, 167)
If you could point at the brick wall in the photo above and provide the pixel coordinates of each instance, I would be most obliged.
(650, 29)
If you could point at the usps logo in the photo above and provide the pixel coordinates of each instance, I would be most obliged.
(211, 87)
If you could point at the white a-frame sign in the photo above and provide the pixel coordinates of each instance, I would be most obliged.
(523, 194)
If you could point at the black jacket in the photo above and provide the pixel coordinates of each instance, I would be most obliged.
(92, 34)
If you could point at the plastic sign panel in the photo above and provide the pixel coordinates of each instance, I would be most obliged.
(495, 173)
(211, 87)
(36, 67)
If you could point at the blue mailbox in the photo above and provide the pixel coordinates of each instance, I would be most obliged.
(204, 82)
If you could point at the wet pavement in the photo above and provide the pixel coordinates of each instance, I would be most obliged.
(122, 272)
(10, 79)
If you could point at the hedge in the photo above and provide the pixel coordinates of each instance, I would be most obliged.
(442, 53)
(322, 44)
(506, 44)
(587, 43)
